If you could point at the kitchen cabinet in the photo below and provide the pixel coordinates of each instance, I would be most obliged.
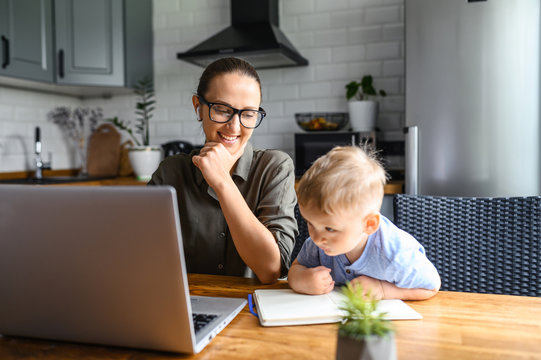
(89, 45)
(26, 34)
(99, 43)
(103, 42)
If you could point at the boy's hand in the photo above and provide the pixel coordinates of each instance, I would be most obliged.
(319, 280)
(369, 284)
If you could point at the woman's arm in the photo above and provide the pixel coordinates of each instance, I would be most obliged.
(255, 243)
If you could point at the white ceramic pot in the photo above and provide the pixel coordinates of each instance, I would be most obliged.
(363, 115)
(145, 160)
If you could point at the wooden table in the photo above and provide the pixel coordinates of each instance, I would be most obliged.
(455, 326)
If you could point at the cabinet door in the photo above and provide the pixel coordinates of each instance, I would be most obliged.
(89, 42)
(26, 49)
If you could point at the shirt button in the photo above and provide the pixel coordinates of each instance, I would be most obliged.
(348, 271)
(222, 235)
(220, 266)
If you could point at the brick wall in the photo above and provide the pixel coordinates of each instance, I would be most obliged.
(342, 39)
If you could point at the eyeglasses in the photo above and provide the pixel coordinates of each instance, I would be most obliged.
(221, 113)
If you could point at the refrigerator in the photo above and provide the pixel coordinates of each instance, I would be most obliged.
(472, 97)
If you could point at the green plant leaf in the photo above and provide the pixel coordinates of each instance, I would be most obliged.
(360, 319)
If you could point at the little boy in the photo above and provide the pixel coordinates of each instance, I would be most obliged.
(340, 197)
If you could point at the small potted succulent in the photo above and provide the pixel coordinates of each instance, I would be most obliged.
(144, 158)
(363, 332)
(363, 109)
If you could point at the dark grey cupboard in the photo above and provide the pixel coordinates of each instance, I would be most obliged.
(105, 43)
(26, 36)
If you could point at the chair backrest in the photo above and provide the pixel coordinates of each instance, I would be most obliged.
(303, 233)
(484, 245)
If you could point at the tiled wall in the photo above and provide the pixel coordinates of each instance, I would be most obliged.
(342, 39)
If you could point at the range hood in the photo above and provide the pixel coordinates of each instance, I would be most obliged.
(253, 36)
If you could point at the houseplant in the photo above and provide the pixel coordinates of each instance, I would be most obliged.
(363, 110)
(363, 333)
(144, 158)
(77, 125)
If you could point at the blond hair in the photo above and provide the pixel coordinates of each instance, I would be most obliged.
(346, 178)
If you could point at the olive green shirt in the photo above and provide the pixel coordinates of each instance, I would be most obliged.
(266, 180)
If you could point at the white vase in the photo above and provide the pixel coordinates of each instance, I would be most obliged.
(145, 160)
(363, 115)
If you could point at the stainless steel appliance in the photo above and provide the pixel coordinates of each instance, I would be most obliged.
(473, 97)
(309, 146)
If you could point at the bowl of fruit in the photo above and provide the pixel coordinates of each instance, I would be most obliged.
(322, 121)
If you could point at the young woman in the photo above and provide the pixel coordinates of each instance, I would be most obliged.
(236, 203)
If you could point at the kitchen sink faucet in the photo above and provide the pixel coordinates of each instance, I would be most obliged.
(40, 165)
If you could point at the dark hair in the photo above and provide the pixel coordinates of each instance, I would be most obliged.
(225, 66)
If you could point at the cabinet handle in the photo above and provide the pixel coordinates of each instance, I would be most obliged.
(5, 52)
(61, 63)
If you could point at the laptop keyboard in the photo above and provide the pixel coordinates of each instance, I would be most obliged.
(200, 320)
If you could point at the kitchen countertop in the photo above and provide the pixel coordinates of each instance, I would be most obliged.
(392, 187)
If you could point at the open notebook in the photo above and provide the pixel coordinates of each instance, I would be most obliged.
(286, 307)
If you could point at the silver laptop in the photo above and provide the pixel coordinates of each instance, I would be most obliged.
(101, 265)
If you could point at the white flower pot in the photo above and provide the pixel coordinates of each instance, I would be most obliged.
(363, 115)
(145, 160)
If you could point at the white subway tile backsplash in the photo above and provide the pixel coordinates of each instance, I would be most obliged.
(350, 18)
(348, 53)
(364, 35)
(314, 21)
(393, 68)
(330, 38)
(167, 6)
(342, 39)
(315, 90)
(331, 72)
(315, 56)
(298, 106)
(393, 32)
(329, 6)
(179, 20)
(296, 6)
(382, 15)
(383, 51)
(6, 113)
(283, 92)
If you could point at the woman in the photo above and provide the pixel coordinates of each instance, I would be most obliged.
(236, 204)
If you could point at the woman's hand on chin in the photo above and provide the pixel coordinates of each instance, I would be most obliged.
(216, 162)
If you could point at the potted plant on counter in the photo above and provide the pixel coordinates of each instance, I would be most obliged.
(144, 158)
(363, 332)
(363, 111)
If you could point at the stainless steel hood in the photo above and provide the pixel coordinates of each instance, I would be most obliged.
(253, 36)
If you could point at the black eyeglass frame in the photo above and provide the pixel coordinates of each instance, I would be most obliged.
(235, 111)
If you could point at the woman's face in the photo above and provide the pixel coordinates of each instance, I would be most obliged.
(238, 91)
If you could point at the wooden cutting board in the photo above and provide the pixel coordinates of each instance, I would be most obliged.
(104, 151)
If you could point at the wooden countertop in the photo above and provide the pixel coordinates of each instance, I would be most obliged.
(126, 180)
(454, 326)
(392, 187)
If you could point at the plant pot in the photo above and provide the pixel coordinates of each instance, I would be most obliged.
(363, 115)
(145, 160)
(371, 348)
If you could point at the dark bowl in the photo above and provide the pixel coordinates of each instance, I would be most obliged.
(324, 121)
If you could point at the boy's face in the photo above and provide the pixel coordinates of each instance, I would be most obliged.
(342, 233)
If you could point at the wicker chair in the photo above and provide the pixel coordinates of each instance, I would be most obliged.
(483, 245)
(303, 233)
